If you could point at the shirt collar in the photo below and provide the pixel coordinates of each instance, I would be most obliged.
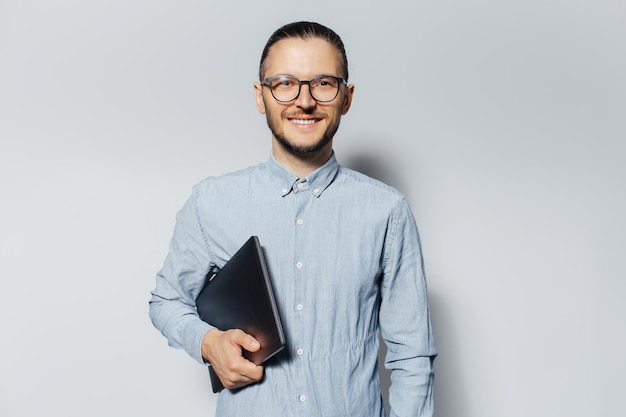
(285, 181)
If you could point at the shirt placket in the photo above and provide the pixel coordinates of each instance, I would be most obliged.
(301, 193)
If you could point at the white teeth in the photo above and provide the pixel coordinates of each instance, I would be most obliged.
(303, 121)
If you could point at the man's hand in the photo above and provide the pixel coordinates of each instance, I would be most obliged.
(224, 351)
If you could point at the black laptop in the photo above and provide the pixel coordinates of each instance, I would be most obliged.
(240, 296)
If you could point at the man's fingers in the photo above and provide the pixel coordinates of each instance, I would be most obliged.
(238, 377)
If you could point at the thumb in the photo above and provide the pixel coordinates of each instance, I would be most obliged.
(252, 345)
(248, 342)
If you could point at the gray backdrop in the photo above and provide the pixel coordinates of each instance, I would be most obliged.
(502, 121)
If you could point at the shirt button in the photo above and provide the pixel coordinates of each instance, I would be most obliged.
(284, 190)
(299, 265)
(300, 185)
(300, 221)
(300, 352)
(316, 191)
(299, 307)
(302, 398)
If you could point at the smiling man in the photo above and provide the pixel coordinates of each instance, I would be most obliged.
(342, 249)
(303, 121)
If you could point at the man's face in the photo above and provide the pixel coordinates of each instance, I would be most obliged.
(303, 126)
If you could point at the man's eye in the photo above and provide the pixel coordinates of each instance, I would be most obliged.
(325, 82)
(283, 83)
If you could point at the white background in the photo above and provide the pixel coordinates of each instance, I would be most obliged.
(503, 122)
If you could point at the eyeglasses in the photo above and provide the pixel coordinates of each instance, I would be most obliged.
(285, 88)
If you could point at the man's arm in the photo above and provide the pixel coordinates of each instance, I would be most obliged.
(173, 312)
(405, 320)
(172, 305)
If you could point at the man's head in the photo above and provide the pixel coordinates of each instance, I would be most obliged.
(306, 31)
(302, 67)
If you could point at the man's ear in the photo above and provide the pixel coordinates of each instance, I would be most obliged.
(347, 99)
(258, 96)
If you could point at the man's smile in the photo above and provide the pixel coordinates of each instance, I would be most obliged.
(303, 121)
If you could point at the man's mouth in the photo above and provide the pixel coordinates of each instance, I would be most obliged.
(303, 121)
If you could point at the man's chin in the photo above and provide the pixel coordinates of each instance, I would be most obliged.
(303, 148)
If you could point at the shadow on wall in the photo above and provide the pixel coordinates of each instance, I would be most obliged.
(448, 381)
(376, 165)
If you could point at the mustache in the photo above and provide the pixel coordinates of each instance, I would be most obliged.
(304, 115)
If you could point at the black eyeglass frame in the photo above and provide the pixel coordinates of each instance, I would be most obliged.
(269, 80)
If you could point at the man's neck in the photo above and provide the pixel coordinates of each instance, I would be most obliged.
(301, 165)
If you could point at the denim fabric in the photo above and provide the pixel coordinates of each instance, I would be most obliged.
(344, 256)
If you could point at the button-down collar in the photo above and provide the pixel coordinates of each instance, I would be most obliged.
(318, 180)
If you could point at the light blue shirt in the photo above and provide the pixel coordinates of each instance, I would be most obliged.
(344, 256)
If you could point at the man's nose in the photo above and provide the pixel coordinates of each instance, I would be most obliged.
(305, 100)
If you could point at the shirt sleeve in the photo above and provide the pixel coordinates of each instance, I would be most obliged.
(405, 319)
(172, 305)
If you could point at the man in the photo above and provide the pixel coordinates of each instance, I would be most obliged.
(342, 250)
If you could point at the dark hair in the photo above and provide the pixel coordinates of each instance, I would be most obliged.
(304, 30)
